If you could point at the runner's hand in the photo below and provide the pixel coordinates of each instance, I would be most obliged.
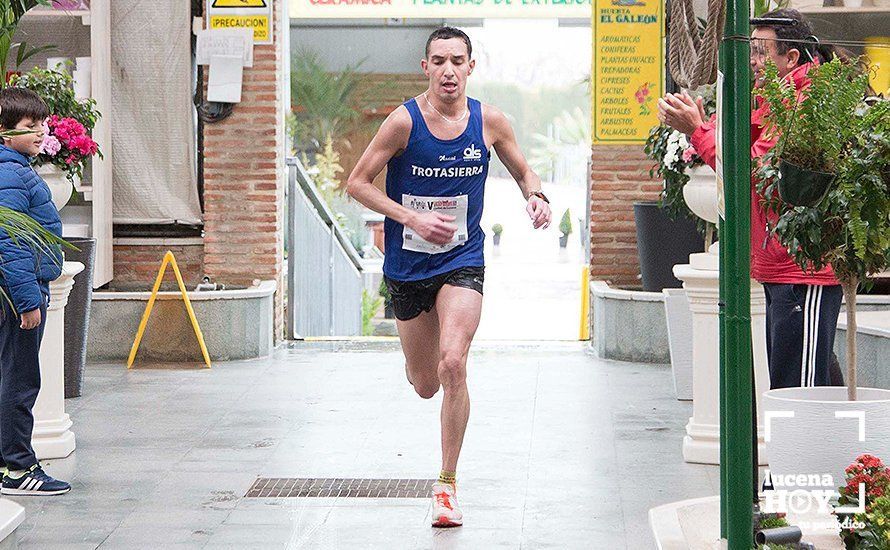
(434, 227)
(539, 212)
(31, 319)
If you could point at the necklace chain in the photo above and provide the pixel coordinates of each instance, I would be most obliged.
(430, 103)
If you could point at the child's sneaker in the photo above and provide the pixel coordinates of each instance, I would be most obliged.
(35, 482)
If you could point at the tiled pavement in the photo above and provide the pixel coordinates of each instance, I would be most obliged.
(563, 450)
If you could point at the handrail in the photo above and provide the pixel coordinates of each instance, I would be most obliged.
(324, 212)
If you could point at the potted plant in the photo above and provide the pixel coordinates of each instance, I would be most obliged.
(496, 230)
(850, 230)
(811, 128)
(11, 12)
(67, 144)
(388, 311)
(667, 230)
(370, 306)
(565, 228)
(869, 529)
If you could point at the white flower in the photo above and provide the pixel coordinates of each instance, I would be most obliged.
(676, 144)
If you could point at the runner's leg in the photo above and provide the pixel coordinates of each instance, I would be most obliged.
(459, 311)
(420, 344)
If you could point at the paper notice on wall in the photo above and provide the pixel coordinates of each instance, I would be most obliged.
(237, 42)
(224, 84)
(450, 206)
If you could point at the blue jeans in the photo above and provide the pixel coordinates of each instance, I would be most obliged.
(19, 386)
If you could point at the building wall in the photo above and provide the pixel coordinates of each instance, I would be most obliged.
(245, 178)
(136, 261)
(619, 177)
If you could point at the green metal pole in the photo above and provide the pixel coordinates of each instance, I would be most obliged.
(724, 485)
(736, 246)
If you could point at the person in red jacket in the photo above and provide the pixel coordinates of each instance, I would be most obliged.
(802, 307)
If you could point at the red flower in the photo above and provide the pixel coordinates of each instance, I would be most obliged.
(870, 461)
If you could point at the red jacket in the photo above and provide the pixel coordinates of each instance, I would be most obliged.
(770, 261)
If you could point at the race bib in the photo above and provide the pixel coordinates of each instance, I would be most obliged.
(450, 206)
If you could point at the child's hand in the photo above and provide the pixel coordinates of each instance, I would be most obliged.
(31, 319)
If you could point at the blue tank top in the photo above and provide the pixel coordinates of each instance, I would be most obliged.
(430, 173)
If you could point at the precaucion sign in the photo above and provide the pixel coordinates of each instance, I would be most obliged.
(628, 69)
(255, 15)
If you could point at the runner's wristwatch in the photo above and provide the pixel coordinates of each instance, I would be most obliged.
(540, 195)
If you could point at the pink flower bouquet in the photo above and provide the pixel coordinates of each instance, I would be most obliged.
(67, 145)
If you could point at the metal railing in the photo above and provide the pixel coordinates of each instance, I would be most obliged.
(324, 290)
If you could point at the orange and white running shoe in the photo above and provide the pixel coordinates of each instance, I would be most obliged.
(446, 511)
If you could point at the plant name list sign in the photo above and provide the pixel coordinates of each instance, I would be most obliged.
(628, 69)
(438, 9)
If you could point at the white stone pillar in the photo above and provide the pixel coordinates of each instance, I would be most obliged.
(701, 279)
(52, 426)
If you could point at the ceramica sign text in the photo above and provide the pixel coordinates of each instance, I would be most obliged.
(438, 9)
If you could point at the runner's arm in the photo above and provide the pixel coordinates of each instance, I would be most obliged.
(504, 142)
(390, 141)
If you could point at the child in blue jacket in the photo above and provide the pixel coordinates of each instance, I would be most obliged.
(25, 273)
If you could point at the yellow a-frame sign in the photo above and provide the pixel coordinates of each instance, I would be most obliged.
(168, 259)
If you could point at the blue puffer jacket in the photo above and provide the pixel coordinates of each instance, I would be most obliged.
(25, 272)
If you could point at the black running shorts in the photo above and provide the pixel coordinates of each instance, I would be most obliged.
(411, 298)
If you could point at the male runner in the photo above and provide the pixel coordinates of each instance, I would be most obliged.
(436, 148)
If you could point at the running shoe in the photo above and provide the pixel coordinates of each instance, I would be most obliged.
(446, 511)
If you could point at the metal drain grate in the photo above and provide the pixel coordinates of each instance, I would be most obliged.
(284, 487)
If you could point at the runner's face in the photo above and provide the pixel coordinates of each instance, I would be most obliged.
(448, 67)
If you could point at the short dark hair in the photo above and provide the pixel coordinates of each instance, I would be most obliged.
(444, 33)
(17, 104)
(798, 36)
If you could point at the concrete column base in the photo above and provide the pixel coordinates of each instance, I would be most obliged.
(52, 436)
(701, 445)
(701, 279)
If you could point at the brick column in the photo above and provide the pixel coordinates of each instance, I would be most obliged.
(245, 178)
(619, 177)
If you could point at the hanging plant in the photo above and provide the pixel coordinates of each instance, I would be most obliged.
(812, 127)
(849, 228)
